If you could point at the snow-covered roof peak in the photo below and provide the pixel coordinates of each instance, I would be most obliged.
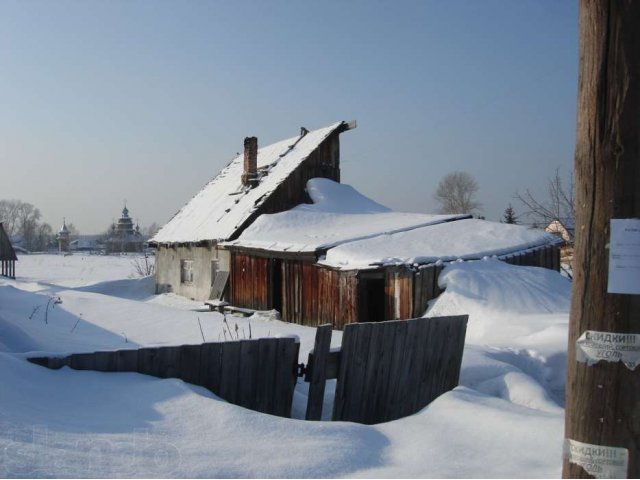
(225, 204)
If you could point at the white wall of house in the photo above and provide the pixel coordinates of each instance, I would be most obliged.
(170, 266)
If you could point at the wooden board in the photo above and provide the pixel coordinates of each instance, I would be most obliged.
(393, 369)
(318, 375)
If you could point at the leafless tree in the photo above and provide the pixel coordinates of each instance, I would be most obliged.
(20, 218)
(558, 205)
(44, 237)
(151, 230)
(9, 216)
(144, 265)
(456, 193)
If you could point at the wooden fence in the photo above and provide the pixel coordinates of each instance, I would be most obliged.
(257, 374)
(386, 370)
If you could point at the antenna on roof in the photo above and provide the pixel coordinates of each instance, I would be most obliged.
(303, 131)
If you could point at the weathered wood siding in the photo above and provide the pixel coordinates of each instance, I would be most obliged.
(257, 374)
(310, 294)
(315, 295)
(398, 293)
(250, 281)
(389, 370)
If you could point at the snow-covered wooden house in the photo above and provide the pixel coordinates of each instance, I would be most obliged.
(8, 256)
(189, 260)
(346, 258)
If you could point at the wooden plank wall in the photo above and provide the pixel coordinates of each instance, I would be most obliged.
(425, 287)
(389, 370)
(398, 293)
(257, 374)
(314, 295)
(250, 280)
(546, 257)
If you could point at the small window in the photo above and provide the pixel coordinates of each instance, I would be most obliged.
(186, 271)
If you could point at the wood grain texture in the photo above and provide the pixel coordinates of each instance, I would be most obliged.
(603, 400)
(318, 376)
(393, 369)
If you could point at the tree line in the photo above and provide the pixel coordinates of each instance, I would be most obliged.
(22, 222)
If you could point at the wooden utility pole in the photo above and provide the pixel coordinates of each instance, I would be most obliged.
(603, 400)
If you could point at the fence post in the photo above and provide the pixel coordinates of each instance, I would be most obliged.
(321, 350)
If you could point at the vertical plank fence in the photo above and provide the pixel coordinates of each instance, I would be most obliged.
(389, 370)
(386, 370)
(257, 374)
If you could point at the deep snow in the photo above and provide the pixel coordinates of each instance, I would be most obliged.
(505, 419)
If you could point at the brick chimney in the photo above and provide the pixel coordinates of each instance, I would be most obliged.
(250, 173)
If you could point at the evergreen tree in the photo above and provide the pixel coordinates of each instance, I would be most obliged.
(509, 215)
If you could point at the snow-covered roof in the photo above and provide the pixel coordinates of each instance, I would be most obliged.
(224, 204)
(339, 214)
(463, 239)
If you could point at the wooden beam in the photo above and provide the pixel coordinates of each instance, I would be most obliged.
(321, 349)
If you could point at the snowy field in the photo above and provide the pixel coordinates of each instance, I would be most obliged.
(504, 420)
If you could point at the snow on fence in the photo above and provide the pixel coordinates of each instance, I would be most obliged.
(257, 374)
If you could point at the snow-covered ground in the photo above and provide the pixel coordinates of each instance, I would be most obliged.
(504, 420)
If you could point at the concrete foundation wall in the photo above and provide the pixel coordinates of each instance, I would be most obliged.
(168, 269)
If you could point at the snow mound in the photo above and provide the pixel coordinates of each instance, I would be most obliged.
(517, 332)
(506, 303)
(330, 196)
(338, 215)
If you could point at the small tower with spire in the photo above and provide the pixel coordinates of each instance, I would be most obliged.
(63, 237)
(124, 235)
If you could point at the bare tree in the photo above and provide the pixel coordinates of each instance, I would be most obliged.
(456, 193)
(73, 231)
(558, 205)
(144, 265)
(44, 237)
(9, 213)
(151, 230)
(20, 218)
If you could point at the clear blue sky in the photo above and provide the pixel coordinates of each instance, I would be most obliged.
(148, 100)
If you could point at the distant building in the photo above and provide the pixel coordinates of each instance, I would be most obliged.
(63, 237)
(123, 236)
(7, 255)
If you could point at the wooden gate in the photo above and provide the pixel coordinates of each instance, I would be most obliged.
(386, 370)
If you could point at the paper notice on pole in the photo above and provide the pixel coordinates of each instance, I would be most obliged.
(624, 256)
(592, 347)
(598, 461)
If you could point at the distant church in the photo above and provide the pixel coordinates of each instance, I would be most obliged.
(123, 236)
(63, 237)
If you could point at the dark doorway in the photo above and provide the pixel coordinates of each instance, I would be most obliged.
(371, 304)
(275, 284)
